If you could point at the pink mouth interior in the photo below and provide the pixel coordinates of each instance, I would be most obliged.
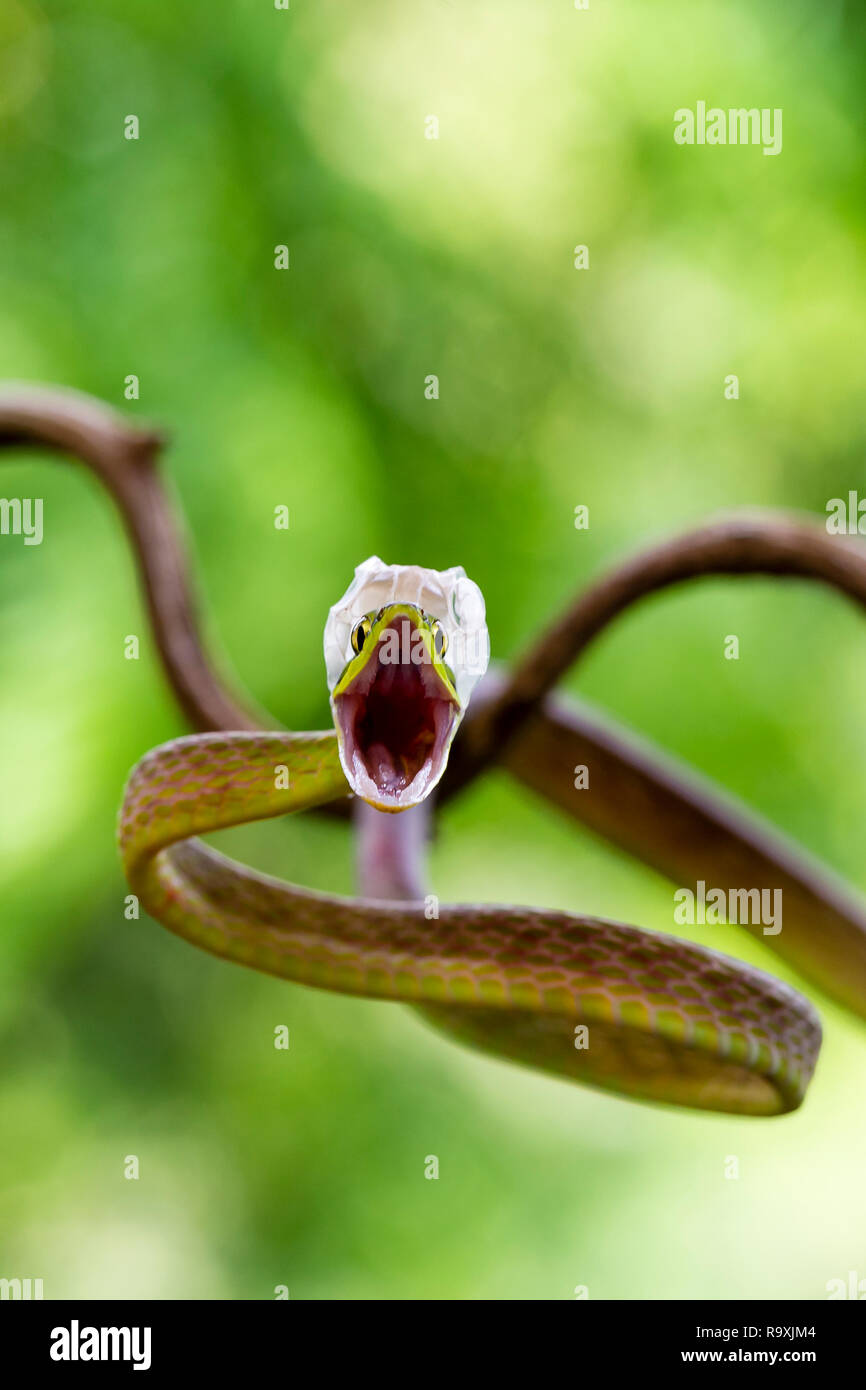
(396, 721)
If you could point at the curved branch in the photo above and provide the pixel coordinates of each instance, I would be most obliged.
(748, 543)
(681, 826)
(687, 828)
(124, 458)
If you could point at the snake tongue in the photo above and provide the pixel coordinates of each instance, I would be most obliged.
(395, 724)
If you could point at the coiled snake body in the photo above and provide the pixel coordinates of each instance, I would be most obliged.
(665, 1020)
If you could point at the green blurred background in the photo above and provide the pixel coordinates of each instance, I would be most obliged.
(605, 387)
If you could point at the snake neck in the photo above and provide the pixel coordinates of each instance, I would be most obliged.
(391, 852)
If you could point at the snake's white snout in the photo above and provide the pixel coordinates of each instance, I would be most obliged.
(448, 595)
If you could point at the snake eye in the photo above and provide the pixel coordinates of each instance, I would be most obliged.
(360, 632)
(440, 640)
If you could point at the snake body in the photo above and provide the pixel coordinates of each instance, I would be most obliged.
(640, 1014)
(665, 1019)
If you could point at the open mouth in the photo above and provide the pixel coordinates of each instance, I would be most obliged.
(395, 723)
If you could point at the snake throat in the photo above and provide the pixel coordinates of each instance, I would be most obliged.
(396, 719)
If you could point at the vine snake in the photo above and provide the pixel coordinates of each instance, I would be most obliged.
(636, 1013)
(660, 1018)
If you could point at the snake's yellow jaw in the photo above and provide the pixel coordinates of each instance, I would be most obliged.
(395, 709)
(404, 647)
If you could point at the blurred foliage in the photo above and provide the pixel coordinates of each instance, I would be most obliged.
(558, 387)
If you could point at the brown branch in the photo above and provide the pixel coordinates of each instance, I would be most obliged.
(124, 458)
(686, 828)
(682, 827)
(744, 544)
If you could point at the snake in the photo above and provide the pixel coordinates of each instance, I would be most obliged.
(644, 1015)
(639, 1014)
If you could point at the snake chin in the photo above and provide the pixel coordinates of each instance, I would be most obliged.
(394, 726)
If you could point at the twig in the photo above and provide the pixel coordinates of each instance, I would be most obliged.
(124, 458)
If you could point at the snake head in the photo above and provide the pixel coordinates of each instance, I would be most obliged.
(404, 649)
